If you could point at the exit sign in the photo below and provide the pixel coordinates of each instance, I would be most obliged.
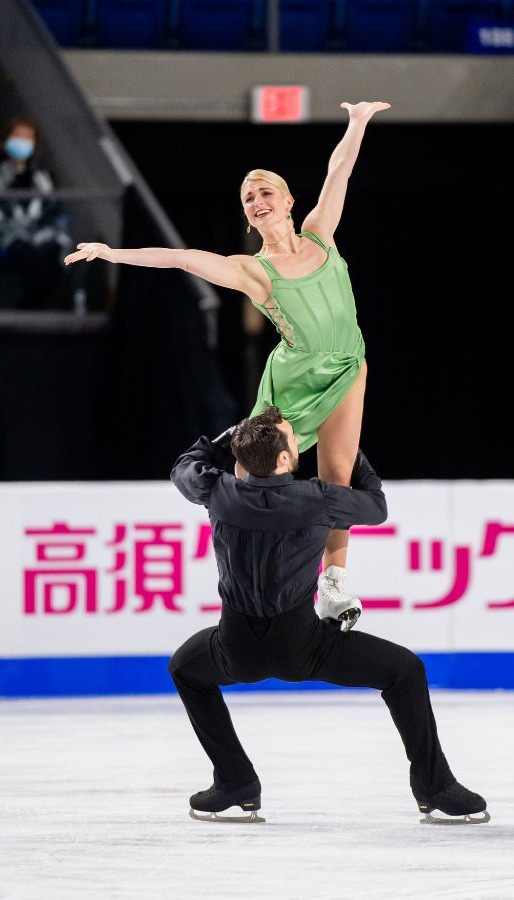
(280, 103)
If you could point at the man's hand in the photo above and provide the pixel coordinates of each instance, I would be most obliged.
(224, 439)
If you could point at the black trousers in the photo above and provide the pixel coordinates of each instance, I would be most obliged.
(298, 646)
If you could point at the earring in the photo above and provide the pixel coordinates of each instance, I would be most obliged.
(288, 216)
(248, 229)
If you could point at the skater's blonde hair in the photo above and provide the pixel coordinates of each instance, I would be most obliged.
(266, 175)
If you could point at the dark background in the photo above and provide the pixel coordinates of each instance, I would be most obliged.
(426, 233)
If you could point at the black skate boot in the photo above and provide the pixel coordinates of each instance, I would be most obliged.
(217, 799)
(460, 807)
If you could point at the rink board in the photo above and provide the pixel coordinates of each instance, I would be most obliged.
(118, 675)
(99, 583)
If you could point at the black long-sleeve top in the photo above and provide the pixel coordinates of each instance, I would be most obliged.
(269, 534)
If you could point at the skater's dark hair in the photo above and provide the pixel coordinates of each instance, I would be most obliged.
(256, 442)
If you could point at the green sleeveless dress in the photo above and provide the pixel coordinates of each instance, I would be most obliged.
(321, 348)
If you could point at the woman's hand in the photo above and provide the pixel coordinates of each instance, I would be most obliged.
(239, 471)
(364, 110)
(90, 252)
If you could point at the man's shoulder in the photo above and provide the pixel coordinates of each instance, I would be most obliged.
(297, 486)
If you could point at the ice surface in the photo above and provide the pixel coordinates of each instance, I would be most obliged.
(94, 802)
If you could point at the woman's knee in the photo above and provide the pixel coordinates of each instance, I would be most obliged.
(338, 470)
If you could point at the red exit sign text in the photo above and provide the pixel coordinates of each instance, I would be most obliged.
(280, 103)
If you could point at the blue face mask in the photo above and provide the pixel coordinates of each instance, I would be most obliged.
(19, 148)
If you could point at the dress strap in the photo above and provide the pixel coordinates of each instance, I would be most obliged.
(316, 239)
(270, 268)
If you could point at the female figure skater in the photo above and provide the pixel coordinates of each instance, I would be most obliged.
(316, 375)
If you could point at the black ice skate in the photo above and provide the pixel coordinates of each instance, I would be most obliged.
(460, 807)
(216, 799)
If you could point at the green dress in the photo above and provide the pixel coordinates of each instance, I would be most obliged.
(321, 348)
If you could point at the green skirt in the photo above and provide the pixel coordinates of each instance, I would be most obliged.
(307, 387)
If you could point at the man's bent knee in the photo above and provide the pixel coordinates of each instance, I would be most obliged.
(406, 668)
(412, 666)
(172, 665)
(176, 664)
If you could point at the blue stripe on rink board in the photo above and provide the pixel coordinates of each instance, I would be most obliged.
(96, 675)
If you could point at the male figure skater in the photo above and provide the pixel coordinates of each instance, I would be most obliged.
(269, 533)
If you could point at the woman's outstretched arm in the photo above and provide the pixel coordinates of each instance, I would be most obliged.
(231, 271)
(325, 217)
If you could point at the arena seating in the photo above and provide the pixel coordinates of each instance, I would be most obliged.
(221, 24)
(449, 22)
(382, 26)
(131, 23)
(305, 25)
(354, 26)
(66, 19)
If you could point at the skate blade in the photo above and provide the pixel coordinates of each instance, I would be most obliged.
(348, 619)
(251, 819)
(481, 819)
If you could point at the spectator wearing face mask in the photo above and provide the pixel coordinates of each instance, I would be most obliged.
(18, 166)
(33, 234)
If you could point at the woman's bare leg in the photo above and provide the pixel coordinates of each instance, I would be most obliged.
(338, 442)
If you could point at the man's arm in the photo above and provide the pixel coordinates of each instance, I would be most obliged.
(196, 471)
(363, 503)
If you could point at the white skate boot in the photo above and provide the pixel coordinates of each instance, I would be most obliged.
(333, 601)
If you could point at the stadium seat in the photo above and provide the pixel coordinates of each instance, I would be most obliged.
(64, 18)
(492, 37)
(382, 26)
(304, 25)
(449, 22)
(222, 24)
(131, 23)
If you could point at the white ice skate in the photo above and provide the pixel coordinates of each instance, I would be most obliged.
(333, 601)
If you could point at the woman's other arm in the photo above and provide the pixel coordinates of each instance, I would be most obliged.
(227, 271)
(326, 215)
